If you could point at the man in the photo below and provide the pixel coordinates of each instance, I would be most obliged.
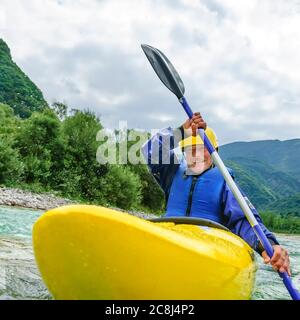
(194, 187)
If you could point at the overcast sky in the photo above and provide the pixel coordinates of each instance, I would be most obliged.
(239, 60)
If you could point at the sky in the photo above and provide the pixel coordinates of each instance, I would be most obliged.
(239, 60)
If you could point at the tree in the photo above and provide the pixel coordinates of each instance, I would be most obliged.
(122, 187)
(10, 164)
(41, 147)
(82, 173)
(60, 109)
(152, 195)
(9, 124)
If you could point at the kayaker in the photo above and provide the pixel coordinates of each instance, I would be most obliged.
(194, 187)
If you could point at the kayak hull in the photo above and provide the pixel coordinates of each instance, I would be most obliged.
(92, 252)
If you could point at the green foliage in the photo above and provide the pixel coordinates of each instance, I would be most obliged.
(8, 123)
(122, 187)
(39, 144)
(6, 114)
(281, 223)
(10, 166)
(60, 109)
(16, 89)
(152, 195)
(48, 152)
(81, 173)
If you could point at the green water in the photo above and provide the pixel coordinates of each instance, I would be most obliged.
(20, 279)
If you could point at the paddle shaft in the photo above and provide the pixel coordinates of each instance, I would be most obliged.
(242, 202)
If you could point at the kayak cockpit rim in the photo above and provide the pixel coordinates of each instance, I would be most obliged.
(190, 220)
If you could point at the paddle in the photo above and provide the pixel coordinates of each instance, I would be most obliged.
(171, 79)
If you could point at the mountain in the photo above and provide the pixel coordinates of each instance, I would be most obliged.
(281, 155)
(268, 172)
(261, 182)
(16, 89)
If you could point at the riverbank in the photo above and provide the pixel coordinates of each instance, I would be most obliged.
(27, 199)
(14, 197)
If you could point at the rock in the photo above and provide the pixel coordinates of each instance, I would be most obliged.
(27, 199)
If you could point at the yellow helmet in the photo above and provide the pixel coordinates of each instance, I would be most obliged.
(197, 140)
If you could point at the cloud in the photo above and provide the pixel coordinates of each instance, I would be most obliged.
(238, 60)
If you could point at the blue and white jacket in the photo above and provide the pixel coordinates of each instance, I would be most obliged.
(206, 195)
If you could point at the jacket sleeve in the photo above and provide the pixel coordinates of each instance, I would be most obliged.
(238, 223)
(160, 156)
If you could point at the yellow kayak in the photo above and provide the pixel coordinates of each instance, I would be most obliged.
(92, 252)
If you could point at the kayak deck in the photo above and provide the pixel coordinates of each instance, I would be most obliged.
(91, 252)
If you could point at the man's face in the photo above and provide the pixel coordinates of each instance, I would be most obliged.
(198, 158)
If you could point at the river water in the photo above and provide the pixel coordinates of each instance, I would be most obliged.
(20, 279)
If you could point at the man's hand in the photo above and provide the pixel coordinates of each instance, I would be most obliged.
(280, 260)
(191, 125)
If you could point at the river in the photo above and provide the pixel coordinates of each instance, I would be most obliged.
(20, 279)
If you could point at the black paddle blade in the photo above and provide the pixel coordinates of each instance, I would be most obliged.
(165, 70)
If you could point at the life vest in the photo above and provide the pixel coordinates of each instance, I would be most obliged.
(196, 196)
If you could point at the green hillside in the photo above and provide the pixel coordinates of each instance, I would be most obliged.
(264, 183)
(283, 156)
(267, 171)
(16, 89)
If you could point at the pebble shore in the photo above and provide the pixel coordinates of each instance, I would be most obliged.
(45, 201)
(28, 199)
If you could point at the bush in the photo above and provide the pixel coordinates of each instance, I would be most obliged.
(55, 150)
(122, 188)
(10, 166)
(152, 196)
(41, 148)
(281, 223)
(82, 173)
